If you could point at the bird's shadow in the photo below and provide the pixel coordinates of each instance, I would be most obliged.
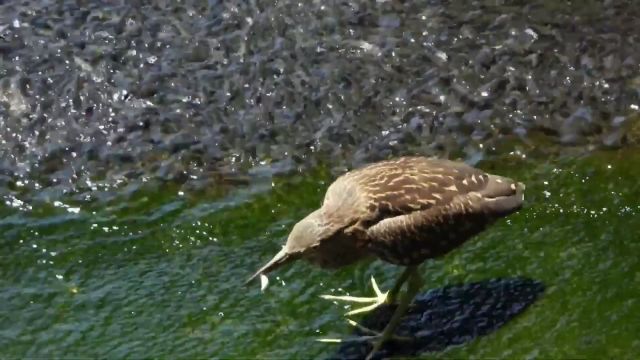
(451, 315)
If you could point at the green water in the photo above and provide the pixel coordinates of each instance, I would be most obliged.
(159, 273)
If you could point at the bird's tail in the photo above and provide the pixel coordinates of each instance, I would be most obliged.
(282, 257)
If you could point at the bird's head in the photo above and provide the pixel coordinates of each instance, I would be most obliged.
(308, 233)
(304, 236)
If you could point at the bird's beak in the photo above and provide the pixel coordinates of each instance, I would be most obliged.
(281, 257)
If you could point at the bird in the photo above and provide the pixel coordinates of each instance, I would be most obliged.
(402, 211)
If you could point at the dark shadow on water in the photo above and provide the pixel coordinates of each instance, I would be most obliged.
(448, 316)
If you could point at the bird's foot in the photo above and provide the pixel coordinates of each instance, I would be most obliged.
(370, 335)
(379, 339)
(376, 338)
(375, 301)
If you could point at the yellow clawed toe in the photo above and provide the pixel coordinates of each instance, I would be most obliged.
(379, 299)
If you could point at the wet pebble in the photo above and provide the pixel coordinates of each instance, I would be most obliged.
(179, 87)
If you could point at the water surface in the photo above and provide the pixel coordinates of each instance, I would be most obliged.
(160, 273)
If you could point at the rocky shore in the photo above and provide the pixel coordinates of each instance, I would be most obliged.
(96, 94)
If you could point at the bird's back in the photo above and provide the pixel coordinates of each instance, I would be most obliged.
(414, 208)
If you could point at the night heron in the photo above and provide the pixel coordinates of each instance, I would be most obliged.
(403, 211)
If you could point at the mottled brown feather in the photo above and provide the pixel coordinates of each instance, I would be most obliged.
(418, 206)
(412, 238)
(403, 211)
(401, 186)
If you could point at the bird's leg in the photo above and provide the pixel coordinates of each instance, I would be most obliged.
(414, 285)
(380, 298)
(393, 293)
(376, 338)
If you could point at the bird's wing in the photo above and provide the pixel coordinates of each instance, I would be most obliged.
(403, 186)
(413, 237)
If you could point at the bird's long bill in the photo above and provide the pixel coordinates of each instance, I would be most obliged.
(281, 257)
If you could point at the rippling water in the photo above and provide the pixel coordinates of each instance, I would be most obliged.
(153, 155)
(160, 274)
